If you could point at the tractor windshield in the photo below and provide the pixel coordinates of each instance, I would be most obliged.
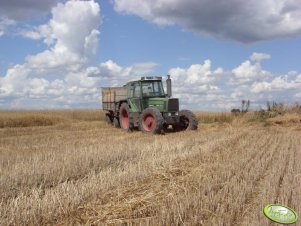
(152, 89)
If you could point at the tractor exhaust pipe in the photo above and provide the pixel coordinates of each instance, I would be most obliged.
(168, 86)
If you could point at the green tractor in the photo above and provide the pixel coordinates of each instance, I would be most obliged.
(143, 104)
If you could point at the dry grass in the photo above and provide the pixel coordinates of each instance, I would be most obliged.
(78, 170)
(216, 117)
(46, 118)
(288, 119)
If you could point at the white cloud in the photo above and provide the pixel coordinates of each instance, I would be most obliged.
(118, 75)
(31, 34)
(199, 86)
(248, 72)
(81, 79)
(260, 87)
(260, 56)
(4, 24)
(279, 83)
(13, 83)
(197, 74)
(72, 35)
(74, 42)
(237, 20)
(40, 32)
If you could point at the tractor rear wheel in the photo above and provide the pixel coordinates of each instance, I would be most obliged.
(125, 117)
(151, 121)
(188, 121)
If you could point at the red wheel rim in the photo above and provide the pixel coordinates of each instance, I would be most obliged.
(124, 119)
(149, 123)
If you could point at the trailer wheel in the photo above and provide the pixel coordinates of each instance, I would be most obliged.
(116, 123)
(151, 121)
(108, 119)
(188, 121)
(125, 117)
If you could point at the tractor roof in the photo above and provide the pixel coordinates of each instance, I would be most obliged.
(153, 78)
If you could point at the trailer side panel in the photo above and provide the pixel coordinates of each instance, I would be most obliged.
(112, 96)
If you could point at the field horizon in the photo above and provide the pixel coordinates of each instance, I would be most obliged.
(68, 167)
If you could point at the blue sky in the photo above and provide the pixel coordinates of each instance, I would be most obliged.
(56, 54)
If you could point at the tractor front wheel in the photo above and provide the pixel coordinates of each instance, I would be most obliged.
(151, 121)
(188, 121)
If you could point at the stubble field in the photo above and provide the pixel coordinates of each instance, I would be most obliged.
(71, 168)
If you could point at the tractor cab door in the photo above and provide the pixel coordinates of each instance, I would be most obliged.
(134, 94)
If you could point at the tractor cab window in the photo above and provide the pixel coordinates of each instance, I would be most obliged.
(152, 89)
(134, 90)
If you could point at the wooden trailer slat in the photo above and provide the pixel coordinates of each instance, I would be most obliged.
(111, 96)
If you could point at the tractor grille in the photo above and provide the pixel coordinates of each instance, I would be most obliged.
(173, 105)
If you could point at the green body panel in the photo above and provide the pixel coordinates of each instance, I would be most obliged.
(135, 104)
(138, 105)
(159, 103)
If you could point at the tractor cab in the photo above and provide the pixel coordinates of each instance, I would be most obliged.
(152, 88)
(149, 92)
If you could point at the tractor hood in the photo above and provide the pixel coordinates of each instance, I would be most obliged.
(163, 104)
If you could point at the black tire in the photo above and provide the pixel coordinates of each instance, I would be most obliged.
(188, 121)
(151, 121)
(109, 119)
(125, 118)
(116, 123)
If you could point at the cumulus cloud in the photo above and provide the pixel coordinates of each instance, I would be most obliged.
(200, 86)
(260, 56)
(72, 36)
(280, 83)
(197, 85)
(24, 91)
(248, 72)
(117, 75)
(13, 83)
(4, 24)
(242, 21)
(197, 75)
(110, 69)
(77, 88)
(74, 31)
